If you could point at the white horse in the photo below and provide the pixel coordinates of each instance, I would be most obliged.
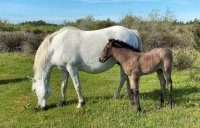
(74, 50)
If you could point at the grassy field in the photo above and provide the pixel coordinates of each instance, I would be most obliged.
(17, 101)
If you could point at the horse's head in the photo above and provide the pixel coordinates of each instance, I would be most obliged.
(107, 51)
(42, 91)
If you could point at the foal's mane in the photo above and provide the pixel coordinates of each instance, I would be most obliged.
(122, 44)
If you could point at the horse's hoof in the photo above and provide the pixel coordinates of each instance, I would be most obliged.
(80, 104)
(40, 108)
(61, 104)
(159, 106)
(170, 105)
(114, 97)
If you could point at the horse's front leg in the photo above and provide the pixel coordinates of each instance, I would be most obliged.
(122, 79)
(134, 82)
(65, 76)
(74, 73)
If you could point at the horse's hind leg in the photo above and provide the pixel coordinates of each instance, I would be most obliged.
(169, 84)
(65, 76)
(74, 73)
(162, 84)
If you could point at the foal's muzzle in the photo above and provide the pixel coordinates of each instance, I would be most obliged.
(102, 60)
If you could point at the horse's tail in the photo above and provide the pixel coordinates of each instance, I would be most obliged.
(140, 48)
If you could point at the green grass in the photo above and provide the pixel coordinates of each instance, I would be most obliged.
(17, 101)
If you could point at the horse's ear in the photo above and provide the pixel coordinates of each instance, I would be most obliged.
(31, 78)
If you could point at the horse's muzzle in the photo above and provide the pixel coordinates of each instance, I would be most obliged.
(41, 108)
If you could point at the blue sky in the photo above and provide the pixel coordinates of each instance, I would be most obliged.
(56, 11)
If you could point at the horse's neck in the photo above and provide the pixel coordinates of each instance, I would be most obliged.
(43, 72)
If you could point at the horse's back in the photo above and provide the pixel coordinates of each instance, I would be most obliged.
(77, 47)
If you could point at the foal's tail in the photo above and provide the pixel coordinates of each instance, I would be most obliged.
(170, 55)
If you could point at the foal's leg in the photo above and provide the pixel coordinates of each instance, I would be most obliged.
(134, 82)
(123, 77)
(74, 73)
(162, 84)
(169, 84)
(65, 76)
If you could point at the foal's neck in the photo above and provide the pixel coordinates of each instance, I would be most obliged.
(122, 54)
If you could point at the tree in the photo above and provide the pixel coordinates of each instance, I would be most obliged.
(131, 21)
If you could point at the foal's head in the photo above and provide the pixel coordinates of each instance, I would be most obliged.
(107, 52)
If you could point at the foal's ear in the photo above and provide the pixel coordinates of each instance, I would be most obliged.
(111, 40)
(31, 78)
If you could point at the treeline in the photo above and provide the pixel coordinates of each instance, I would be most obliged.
(157, 30)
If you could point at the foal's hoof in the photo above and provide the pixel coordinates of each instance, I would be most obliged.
(160, 106)
(80, 104)
(61, 104)
(138, 109)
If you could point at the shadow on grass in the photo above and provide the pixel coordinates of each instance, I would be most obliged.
(16, 80)
(179, 95)
(92, 100)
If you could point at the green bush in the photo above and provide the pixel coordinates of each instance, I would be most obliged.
(184, 59)
(131, 21)
(177, 38)
(196, 32)
(6, 26)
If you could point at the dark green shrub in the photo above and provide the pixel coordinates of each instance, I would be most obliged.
(11, 41)
(20, 41)
(32, 42)
(196, 32)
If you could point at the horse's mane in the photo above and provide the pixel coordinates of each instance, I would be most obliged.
(41, 56)
(121, 44)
